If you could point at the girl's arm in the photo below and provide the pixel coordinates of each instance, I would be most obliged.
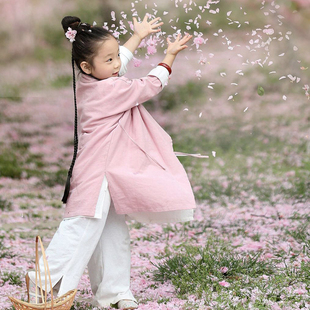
(142, 30)
(125, 56)
(163, 69)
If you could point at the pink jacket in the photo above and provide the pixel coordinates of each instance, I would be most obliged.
(119, 139)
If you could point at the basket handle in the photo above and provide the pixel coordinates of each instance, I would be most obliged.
(46, 272)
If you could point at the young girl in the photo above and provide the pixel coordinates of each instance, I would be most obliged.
(124, 165)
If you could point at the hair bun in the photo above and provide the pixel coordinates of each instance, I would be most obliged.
(70, 21)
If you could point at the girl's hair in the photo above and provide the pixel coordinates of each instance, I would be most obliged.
(87, 40)
(84, 48)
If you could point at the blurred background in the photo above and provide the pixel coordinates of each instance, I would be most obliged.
(34, 51)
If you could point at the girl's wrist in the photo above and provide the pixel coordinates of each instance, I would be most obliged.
(169, 59)
(133, 42)
(137, 37)
(162, 64)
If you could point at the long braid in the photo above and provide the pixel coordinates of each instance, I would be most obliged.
(84, 39)
(76, 141)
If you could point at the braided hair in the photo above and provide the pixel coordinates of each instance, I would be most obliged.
(85, 44)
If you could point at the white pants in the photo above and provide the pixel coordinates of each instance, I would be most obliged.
(101, 244)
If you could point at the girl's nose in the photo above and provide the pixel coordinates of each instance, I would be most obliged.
(117, 64)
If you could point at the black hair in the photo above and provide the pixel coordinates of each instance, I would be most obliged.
(87, 40)
(84, 48)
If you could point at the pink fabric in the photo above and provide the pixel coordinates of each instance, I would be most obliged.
(119, 139)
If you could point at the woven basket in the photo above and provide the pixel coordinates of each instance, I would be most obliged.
(63, 302)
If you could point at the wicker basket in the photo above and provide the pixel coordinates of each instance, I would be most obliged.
(63, 302)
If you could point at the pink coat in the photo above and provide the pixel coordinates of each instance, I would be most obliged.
(119, 139)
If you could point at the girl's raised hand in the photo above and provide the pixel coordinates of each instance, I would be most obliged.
(178, 45)
(145, 28)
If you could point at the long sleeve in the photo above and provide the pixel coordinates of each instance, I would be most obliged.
(122, 94)
(126, 56)
(161, 73)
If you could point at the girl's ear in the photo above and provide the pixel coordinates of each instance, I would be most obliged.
(86, 67)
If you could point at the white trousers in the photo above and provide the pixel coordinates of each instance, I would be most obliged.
(101, 244)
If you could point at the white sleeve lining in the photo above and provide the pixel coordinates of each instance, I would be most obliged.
(125, 55)
(161, 73)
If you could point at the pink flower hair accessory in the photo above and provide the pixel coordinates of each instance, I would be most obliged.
(70, 34)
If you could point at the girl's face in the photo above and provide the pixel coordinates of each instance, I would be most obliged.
(107, 62)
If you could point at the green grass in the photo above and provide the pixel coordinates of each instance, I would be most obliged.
(11, 92)
(197, 271)
(4, 251)
(12, 278)
(5, 205)
(62, 81)
(29, 195)
(9, 165)
(53, 178)
(17, 162)
(194, 270)
(188, 94)
(249, 162)
(14, 160)
(302, 234)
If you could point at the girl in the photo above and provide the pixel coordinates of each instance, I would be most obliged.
(124, 164)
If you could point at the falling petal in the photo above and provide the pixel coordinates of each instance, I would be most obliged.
(268, 31)
(213, 153)
(292, 78)
(245, 109)
(198, 74)
(260, 90)
(284, 97)
(200, 114)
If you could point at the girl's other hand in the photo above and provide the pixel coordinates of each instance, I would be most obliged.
(145, 28)
(178, 45)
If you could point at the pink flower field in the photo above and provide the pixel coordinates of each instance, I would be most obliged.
(238, 95)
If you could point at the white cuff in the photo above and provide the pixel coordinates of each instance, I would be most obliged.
(125, 55)
(161, 73)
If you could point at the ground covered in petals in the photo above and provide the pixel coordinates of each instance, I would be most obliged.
(249, 245)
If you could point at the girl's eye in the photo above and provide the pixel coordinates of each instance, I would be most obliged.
(109, 60)
(119, 54)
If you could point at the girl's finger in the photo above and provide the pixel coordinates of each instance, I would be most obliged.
(177, 39)
(157, 25)
(183, 47)
(155, 30)
(145, 17)
(153, 21)
(134, 20)
(186, 38)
